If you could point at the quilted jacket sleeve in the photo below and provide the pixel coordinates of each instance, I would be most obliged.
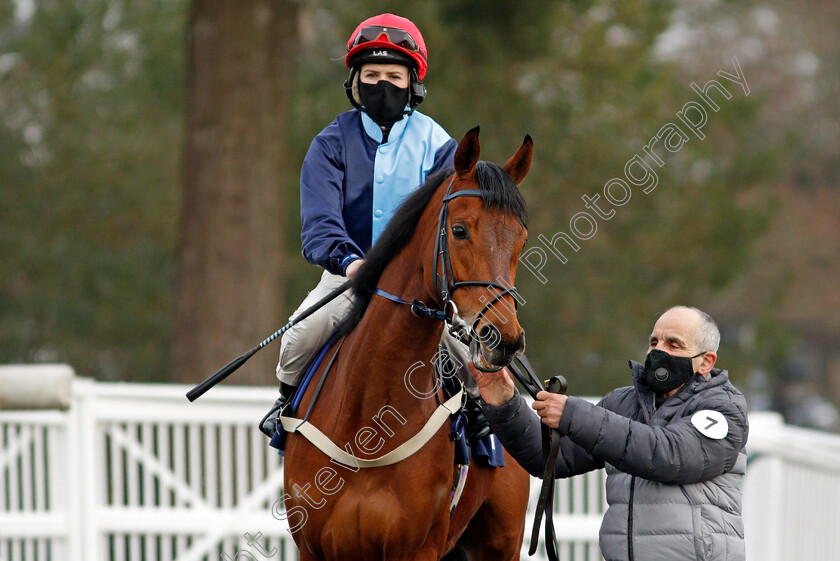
(675, 453)
(519, 430)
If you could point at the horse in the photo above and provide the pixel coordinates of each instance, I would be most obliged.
(460, 253)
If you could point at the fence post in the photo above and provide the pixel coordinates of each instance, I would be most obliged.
(763, 506)
(65, 466)
(83, 466)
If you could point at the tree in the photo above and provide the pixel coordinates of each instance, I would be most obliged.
(240, 57)
(585, 81)
(91, 104)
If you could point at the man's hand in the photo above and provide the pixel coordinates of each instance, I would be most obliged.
(496, 388)
(351, 269)
(549, 406)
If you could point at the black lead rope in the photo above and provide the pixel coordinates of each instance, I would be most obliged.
(557, 384)
(528, 378)
(551, 442)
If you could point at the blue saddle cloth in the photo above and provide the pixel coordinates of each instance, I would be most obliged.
(488, 448)
(279, 439)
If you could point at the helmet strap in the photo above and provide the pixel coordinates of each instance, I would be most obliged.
(351, 88)
(416, 91)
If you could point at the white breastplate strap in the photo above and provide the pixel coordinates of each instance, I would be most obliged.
(323, 443)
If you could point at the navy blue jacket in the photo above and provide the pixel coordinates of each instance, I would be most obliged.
(351, 183)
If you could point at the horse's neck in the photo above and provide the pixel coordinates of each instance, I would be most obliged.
(400, 347)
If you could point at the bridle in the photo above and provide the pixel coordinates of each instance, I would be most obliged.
(445, 284)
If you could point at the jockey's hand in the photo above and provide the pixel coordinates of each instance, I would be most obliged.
(549, 406)
(496, 388)
(351, 269)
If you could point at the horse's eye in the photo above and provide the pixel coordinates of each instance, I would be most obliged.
(460, 232)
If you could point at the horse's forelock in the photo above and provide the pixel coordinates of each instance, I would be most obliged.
(499, 191)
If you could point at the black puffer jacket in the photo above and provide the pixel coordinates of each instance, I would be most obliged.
(674, 473)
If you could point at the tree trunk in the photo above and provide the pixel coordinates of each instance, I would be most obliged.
(240, 56)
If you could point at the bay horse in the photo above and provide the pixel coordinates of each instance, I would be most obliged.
(455, 252)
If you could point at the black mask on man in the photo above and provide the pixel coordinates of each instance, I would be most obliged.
(665, 372)
(383, 101)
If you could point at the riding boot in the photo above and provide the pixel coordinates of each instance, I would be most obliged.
(268, 424)
(477, 424)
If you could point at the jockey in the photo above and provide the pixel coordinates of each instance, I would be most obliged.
(355, 175)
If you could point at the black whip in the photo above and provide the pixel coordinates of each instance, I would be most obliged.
(231, 366)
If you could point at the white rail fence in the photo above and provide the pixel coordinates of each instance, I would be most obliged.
(133, 472)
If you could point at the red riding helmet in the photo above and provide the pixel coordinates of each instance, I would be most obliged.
(391, 32)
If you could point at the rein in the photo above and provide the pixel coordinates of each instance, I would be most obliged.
(417, 307)
(551, 441)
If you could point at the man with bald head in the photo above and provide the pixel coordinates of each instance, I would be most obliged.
(672, 445)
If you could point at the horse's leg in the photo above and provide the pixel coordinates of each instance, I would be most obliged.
(497, 529)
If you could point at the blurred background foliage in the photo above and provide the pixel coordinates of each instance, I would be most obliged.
(743, 224)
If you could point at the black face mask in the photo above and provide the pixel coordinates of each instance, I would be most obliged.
(665, 372)
(383, 101)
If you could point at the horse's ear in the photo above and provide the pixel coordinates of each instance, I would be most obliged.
(466, 156)
(518, 166)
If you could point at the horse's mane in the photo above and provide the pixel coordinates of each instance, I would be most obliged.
(497, 191)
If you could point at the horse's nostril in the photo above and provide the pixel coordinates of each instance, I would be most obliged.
(520, 343)
(490, 337)
(510, 349)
